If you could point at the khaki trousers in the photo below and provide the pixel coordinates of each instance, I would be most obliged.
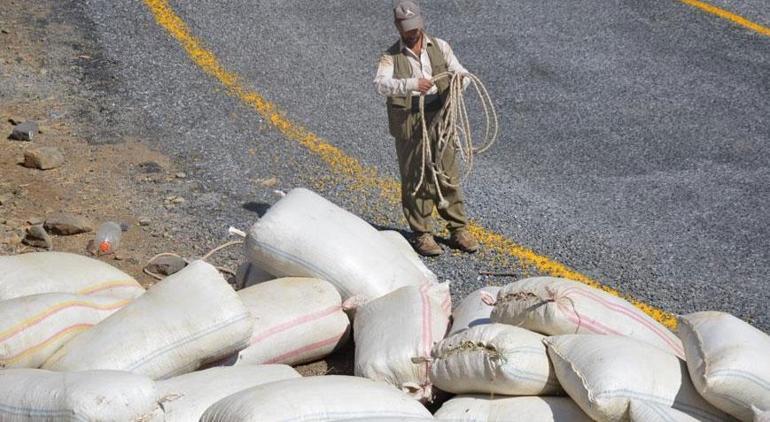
(418, 209)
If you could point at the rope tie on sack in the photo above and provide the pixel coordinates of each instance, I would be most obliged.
(453, 129)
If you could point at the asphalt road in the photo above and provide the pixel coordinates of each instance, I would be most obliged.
(635, 141)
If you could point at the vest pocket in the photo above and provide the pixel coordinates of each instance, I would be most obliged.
(399, 123)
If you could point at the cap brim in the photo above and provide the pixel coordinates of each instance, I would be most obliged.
(410, 24)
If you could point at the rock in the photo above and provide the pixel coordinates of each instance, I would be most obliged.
(268, 183)
(34, 221)
(166, 265)
(181, 175)
(178, 200)
(144, 221)
(38, 238)
(24, 131)
(43, 158)
(150, 167)
(67, 224)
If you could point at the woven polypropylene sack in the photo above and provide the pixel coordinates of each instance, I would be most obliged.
(556, 306)
(183, 321)
(318, 399)
(645, 411)
(395, 333)
(296, 320)
(406, 248)
(304, 235)
(729, 362)
(33, 327)
(494, 358)
(187, 396)
(603, 374)
(478, 408)
(59, 272)
(36, 395)
(473, 311)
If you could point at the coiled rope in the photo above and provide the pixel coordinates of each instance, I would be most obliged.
(453, 129)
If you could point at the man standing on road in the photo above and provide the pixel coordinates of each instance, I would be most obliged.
(404, 73)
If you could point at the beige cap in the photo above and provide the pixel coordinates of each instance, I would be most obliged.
(407, 15)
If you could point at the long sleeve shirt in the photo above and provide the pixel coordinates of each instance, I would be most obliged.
(389, 86)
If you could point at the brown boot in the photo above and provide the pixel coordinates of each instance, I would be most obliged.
(464, 241)
(426, 245)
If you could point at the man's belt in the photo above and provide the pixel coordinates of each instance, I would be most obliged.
(432, 103)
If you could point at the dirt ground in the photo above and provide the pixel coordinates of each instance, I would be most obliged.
(47, 70)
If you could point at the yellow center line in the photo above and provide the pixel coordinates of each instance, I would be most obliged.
(732, 17)
(342, 164)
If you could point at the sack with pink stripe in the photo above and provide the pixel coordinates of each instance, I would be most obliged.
(59, 272)
(297, 320)
(187, 319)
(555, 306)
(33, 327)
(395, 333)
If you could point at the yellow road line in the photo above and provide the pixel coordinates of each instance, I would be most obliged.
(342, 164)
(732, 17)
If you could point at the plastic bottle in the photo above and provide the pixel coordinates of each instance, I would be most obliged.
(108, 238)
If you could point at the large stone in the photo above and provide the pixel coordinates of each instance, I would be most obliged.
(25, 131)
(67, 224)
(38, 238)
(43, 158)
(166, 265)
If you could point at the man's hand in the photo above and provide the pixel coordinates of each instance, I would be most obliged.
(423, 85)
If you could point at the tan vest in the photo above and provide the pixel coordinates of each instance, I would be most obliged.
(400, 107)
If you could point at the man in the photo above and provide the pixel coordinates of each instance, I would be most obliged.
(404, 73)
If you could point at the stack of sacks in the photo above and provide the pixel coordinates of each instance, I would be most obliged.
(394, 335)
(474, 408)
(31, 395)
(473, 310)
(33, 327)
(604, 374)
(729, 362)
(186, 397)
(296, 320)
(58, 272)
(183, 321)
(555, 306)
(323, 398)
(304, 235)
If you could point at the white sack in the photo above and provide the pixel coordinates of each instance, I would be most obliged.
(59, 272)
(728, 360)
(473, 311)
(555, 306)
(395, 333)
(186, 397)
(495, 358)
(317, 399)
(304, 235)
(186, 319)
(296, 320)
(33, 327)
(35, 395)
(406, 248)
(760, 415)
(478, 408)
(604, 373)
(643, 411)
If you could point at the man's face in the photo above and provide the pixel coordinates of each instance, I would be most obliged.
(411, 38)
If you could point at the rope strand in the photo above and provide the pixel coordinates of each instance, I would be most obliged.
(453, 130)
